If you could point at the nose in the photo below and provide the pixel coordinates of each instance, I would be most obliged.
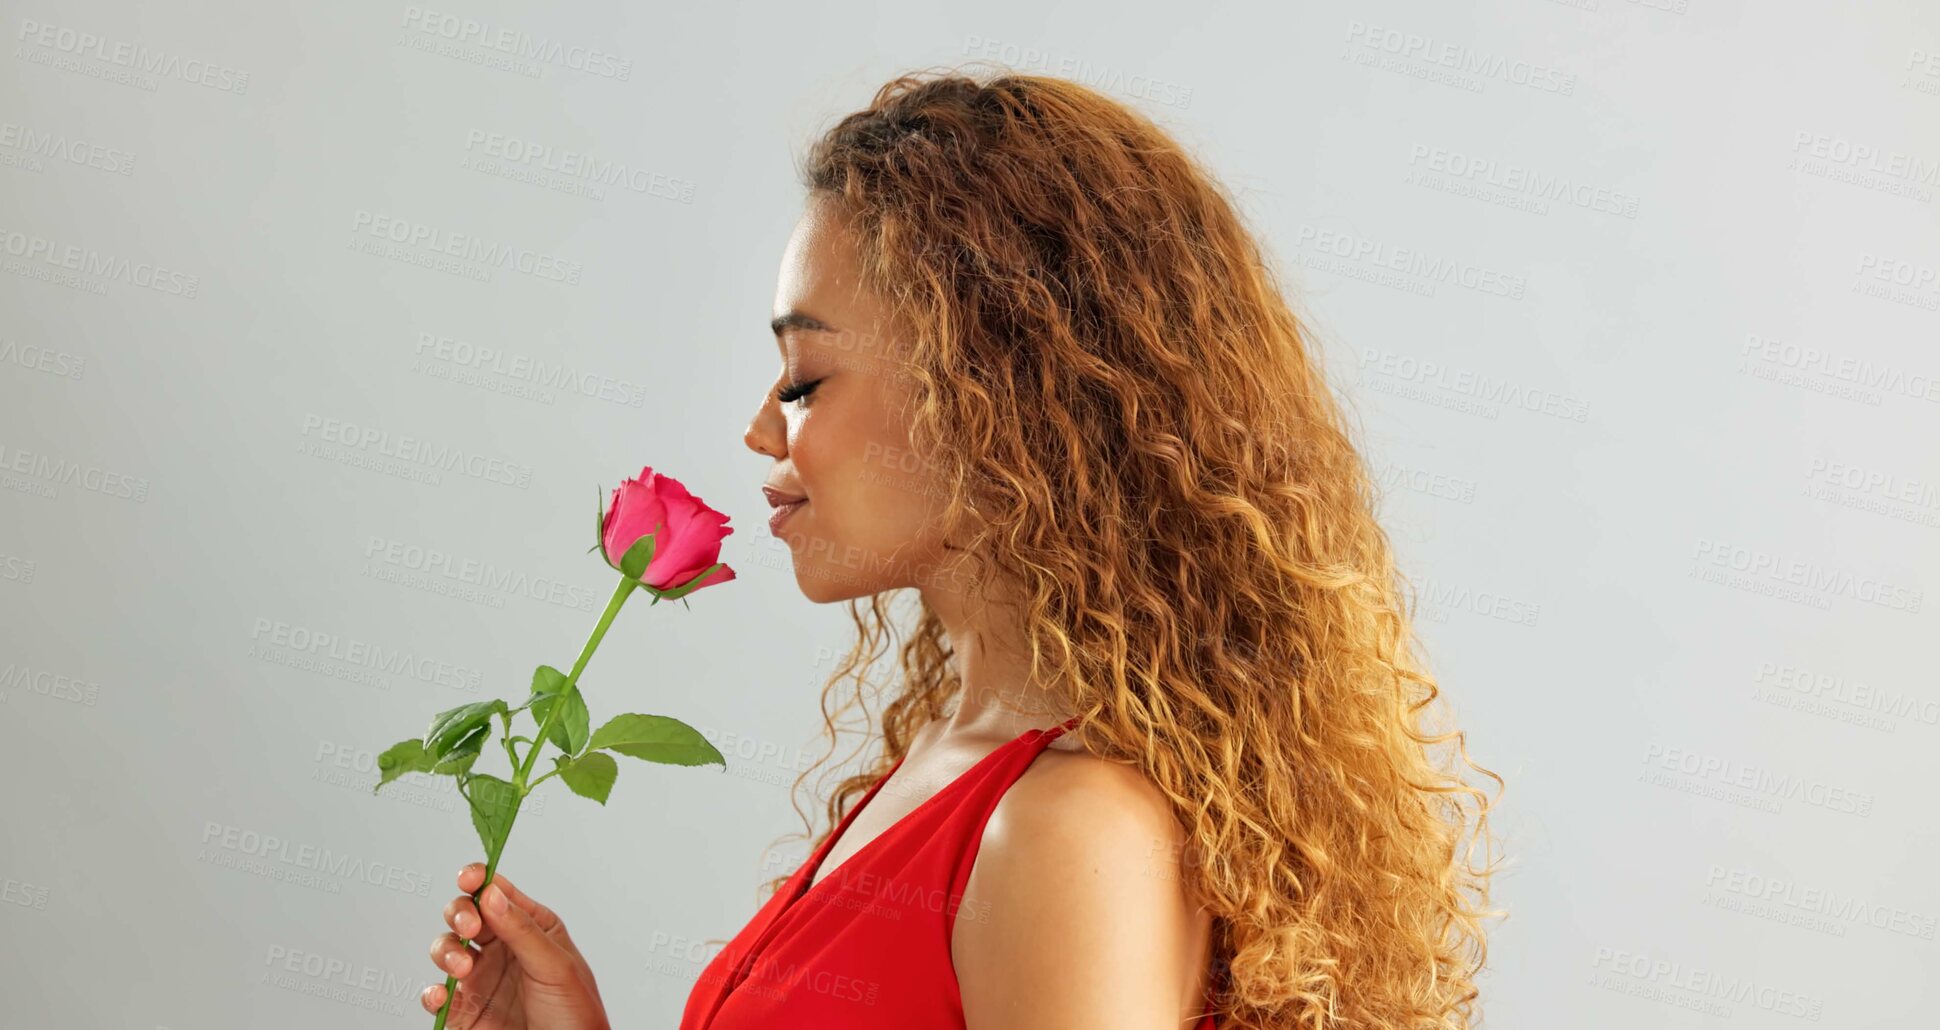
(767, 432)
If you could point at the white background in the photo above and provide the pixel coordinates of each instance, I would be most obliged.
(1635, 302)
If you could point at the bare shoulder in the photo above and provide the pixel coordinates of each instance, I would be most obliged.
(1071, 799)
(1075, 913)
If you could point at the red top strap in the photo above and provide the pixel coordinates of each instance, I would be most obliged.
(867, 947)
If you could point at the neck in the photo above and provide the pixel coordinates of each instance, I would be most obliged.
(999, 697)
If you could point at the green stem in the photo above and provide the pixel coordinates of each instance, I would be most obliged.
(620, 594)
(520, 772)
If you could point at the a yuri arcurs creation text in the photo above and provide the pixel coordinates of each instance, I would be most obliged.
(661, 539)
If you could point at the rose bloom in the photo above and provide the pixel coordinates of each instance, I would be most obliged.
(687, 533)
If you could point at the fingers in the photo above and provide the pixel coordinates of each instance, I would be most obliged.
(465, 1012)
(542, 957)
(462, 916)
(450, 954)
(472, 875)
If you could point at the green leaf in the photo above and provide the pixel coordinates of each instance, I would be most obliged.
(493, 802)
(548, 680)
(405, 756)
(462, 754)
(568, 732)
(634, 563)
(599, 525)
(656, 738)
(589, 775)
(451, 726)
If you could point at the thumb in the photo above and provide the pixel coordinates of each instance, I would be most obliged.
(541, 957)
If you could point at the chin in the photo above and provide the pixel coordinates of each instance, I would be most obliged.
(824, 577)
(827, 585)
(831, 568)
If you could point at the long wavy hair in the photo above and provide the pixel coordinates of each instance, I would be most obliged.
(1136, 436)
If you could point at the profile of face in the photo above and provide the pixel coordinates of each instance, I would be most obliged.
(834, 423)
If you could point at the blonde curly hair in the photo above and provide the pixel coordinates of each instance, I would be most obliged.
(1136, 436)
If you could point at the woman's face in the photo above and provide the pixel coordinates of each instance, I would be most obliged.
(842, 444)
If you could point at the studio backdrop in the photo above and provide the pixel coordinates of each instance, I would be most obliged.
(324, 327)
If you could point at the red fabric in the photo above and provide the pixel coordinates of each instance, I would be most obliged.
(868, 947)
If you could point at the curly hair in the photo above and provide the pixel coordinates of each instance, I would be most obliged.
(1108, 378)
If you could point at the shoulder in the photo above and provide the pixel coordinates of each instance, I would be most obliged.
(1074, 906)
(1070, 804)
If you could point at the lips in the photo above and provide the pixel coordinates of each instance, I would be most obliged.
(784, 504)
(781, 514)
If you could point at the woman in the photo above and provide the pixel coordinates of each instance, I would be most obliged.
(1156, 759)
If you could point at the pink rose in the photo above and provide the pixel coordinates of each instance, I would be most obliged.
(687, 533)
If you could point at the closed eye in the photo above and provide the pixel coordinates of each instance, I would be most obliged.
(795, 391)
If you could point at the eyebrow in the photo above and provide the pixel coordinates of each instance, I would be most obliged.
(799, 320)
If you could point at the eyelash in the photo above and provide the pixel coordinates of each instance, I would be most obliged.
(795, 391)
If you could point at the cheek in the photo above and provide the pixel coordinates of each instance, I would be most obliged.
(812, 444)
(836, 445)
(863, 482)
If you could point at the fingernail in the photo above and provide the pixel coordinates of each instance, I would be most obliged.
(496, 900)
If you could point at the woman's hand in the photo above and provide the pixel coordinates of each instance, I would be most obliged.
(525, 973)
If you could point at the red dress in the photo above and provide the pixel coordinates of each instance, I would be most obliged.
(868, 947)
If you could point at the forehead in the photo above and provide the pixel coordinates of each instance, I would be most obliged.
(821, 273)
